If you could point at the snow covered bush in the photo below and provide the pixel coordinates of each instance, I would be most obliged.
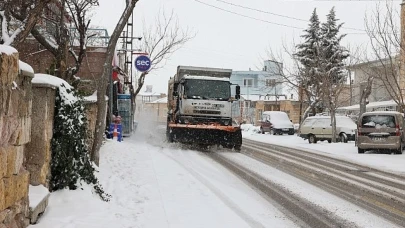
(70, 156)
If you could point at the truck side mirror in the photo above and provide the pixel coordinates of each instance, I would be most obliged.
(175, 93)
(237, 96)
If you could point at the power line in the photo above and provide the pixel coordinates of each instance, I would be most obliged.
(289, 17)
(257, 19)
(262, 11)
(242, 15)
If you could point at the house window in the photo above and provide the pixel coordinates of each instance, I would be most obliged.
(270, 82)
(248, 82)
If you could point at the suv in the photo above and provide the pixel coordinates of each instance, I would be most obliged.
(380, 130)
(276, 122)
(316, 128)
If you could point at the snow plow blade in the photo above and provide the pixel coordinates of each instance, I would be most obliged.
(226, 136)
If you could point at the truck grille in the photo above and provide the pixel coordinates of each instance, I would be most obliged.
(207, 112)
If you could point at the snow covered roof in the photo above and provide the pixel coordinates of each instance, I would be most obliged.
(257, 97)
(370, 105)
(162, 100)
(206, 78)
(145, 94)
(382, 112)
(8, 50)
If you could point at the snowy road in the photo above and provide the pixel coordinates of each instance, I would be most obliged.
(368, 189)
(156, 184)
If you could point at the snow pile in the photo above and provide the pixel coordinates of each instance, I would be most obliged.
(250, 128)
(37, 194)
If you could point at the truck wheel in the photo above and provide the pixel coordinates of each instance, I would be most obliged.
(360, 151)
(261, 130)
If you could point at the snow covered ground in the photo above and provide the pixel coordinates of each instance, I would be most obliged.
(155, 184)
(346, 151)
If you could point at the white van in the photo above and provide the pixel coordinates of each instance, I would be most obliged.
(317, 128)
(279, 122)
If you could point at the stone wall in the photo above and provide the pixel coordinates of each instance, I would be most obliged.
(91, 114)
(38, 151)
(15, 128)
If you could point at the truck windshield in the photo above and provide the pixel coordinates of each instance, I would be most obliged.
(207, 89)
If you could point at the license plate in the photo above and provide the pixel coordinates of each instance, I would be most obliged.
(286, 129)
(379, 139)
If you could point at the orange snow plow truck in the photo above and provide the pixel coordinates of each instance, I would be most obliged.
(200, 107)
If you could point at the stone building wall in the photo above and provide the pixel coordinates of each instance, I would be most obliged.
(15, 128)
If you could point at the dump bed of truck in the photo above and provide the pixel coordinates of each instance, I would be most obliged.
(201, 71)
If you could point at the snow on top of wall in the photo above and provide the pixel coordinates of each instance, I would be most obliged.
(8, 50)
(50, 80)
(91, 98)
(25, 67)
(63, 86)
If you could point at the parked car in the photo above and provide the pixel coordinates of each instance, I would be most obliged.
(381, 130)
(276, 122)
(319, 128)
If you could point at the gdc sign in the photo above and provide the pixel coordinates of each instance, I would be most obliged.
(142, 63)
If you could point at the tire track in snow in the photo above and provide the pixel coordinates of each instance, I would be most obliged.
(222, 196)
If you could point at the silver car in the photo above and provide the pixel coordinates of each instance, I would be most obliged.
(380, 130)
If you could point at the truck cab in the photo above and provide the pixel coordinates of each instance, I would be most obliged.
(200, 107)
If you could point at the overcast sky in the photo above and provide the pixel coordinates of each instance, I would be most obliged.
(229, 36)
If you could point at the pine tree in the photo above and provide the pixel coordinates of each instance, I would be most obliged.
(333, 54)
(332, 66)
(309, 57)
(308, 52)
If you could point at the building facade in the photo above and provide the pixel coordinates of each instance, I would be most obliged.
(361, 72)
(266, 83)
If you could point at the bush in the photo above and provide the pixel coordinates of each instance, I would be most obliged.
(70, 156)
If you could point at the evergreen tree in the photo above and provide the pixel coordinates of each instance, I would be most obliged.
(308, 54)
(70, 156)
(332, 67)
(333, 54)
